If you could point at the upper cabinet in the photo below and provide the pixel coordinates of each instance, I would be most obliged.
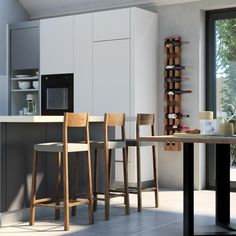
(113, 24)
(57, 45)
(24, 43)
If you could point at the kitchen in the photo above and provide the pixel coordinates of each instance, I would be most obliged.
(88, 65)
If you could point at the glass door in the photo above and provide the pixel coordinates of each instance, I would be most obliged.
(221, 78)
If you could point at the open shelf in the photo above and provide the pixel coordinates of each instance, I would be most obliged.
(24, 90)
(25, 78)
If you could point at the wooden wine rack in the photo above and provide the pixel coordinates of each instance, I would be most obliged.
(173, 102)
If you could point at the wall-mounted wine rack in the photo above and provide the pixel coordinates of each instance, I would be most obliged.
(172, 84)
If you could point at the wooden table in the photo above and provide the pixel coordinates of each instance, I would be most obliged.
(222, 217)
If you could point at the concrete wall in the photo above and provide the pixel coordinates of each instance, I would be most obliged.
(188, 21)
(11, 11)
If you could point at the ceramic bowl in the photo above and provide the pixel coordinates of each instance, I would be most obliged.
(35, 84)
(24, 84)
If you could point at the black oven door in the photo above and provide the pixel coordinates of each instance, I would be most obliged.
(57, 94)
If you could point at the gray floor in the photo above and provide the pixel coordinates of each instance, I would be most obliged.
(167, 220)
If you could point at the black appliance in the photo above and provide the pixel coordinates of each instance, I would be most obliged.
(57, 94)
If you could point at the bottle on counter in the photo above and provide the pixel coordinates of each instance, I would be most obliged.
(176, 91)
(177, 115)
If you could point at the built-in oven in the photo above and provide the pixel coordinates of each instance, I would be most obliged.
(57, 94)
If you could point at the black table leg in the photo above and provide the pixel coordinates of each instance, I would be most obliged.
(188, 189)
(223, 186)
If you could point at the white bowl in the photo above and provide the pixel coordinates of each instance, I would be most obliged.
(35, 84)
(24, 84)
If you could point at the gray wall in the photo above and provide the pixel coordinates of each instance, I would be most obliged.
(188, 21)
(11, 11)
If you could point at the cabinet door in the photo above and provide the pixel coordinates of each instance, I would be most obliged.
(24, 51)
(111, 76)
(83, 49)
(56, 45)
(114, 24)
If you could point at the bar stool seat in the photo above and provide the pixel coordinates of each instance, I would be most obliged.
(59, 147)
(134, 143)
(111, 144)
(147, 120)
(71, 120)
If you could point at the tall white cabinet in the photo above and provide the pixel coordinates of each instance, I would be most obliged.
(125, 71)
(113, 55)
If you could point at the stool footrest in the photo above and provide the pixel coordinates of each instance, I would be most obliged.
(50, 205)
(111, 195)
(135, 189)
(49, 199)
(143, 189)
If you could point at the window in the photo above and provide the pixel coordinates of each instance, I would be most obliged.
(221, 78)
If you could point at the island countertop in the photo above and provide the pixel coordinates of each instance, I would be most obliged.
(41, 119)
(48, 119)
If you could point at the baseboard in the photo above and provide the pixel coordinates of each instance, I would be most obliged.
(22, 215)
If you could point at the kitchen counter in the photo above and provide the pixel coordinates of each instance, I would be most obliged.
(18, 134)
(48, 119)
(41, 119)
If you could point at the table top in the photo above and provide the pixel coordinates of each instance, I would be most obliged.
(191, 139)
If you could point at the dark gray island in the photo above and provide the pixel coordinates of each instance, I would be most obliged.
(18, 135)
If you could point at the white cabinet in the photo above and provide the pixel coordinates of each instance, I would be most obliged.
(56, 45)
(113, 55)
(113, 24)
(83, 63)
(124, 71)
(111, 76)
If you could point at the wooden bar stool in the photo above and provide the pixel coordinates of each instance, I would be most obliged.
(144, 120)
(111, 120)
(71, 120)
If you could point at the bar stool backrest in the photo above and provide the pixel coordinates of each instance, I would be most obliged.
(145, 120)
(112, 120)
(75, 120)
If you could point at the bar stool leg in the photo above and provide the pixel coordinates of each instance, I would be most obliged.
(33, 188)
(90, 189)
(75, 182)
(95, 189)
(126, 188)
(58, 185)
(155, 176)
(109, 163)
(106, 190)
(66, 190)
(139, 179)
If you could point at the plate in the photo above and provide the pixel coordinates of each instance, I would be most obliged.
(22, 76)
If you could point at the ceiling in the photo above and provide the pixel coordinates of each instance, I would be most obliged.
(48, 8)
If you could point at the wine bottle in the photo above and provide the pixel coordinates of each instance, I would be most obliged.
(173, 127)
(174, 43)
(176, 91)
(174, 79)
(177, 67)
(177, 115)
